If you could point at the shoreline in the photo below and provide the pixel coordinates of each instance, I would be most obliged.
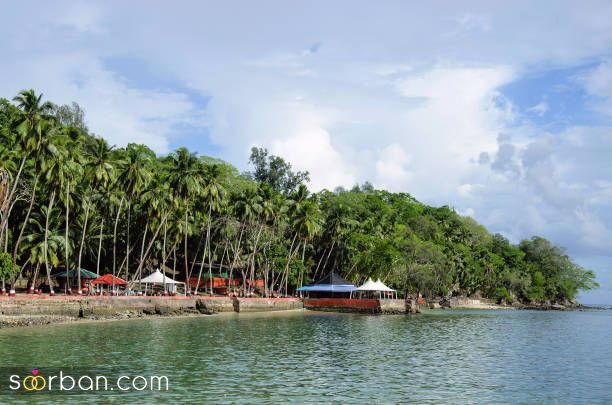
(30, 310)
(35, 321)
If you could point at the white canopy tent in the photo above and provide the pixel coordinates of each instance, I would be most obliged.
(157, 278)
(375, 288)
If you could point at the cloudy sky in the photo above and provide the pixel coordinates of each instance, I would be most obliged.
(502, 111)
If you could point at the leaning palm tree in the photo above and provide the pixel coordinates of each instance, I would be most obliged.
(29, 131)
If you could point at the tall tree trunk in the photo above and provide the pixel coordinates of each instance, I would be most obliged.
(185, 249)
(99, 247)
(127, 243)
(195, 257)
(201, 268)
(66, 238)
(46, 244)
(328, 255)
(319, 262)
(210, 259)
(174, 263)
(115, 243)
(25, 222)
(236, 255)
(289, 255)
(222, 259)
(81, 247)
(145, 254)
(303, 256)
(142, 247)
(36, 271)
(252, 276)
(208, 222)
(164, 247)
(6, 203)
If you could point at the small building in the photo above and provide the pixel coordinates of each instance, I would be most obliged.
(330, 286)
(374, 289)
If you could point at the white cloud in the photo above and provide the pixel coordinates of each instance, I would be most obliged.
(598, 84)
(82, 17)
(404, 96)
(114, 109)
(392, 168)
(540, 109)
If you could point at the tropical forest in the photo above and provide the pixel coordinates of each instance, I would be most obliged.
(69, 199)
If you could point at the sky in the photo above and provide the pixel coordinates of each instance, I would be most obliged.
(501, 110)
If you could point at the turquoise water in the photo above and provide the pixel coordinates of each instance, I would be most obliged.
(439, 357)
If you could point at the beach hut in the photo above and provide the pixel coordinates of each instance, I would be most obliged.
(157, 279)
(330, 286)
(374, 289)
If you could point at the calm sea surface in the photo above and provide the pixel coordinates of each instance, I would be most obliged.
(438, 357)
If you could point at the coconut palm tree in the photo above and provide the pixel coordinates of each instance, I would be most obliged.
(134, 176)
(213, 193)
(100, 172)
(307, 223)
(51, 159)
(185, 179)
(73, 173)
(29, 131)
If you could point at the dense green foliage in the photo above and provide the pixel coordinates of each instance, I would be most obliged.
(67, 196)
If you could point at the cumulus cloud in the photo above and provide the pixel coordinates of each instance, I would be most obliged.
(598, 84)
(114, 109)
(549, 191)
(408, 97)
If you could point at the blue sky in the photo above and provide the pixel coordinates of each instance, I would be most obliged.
(503, 111)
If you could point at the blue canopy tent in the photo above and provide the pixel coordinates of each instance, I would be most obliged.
(330, 286)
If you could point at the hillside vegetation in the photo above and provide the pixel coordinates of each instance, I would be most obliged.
(68, 198)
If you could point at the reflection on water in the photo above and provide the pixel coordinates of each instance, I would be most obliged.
(442, 356)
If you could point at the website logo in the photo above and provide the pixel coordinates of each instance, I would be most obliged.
(34, 382)
(79, 381)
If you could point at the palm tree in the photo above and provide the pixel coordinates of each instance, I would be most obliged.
(134, 176)
(185, 179)
(248, 207)
(43, 243)
(213, 193)
(267, 215)
(30, 130)
(307, 222)
(156, 204)
(50, 168)
(100, 163)
(99, 172)
(73, 173)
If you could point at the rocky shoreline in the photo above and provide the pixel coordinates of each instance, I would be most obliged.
(485, 303)
(31, 311)
(28, 311)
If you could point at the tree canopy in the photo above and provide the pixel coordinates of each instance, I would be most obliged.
(67, 199)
